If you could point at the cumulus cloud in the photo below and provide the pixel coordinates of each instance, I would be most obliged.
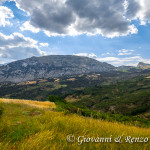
(53, 16)
(16, 46)
(109, 18)
(101, 17)
(5, 15)
(139, 9)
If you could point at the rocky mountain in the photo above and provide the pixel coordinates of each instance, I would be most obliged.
(51, 66)
(142, 65)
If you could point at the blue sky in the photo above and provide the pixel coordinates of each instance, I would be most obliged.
(112, 31)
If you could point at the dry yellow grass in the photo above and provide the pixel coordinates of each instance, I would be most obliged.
(54, 127)
(93, 77)
(57, 80)
(41, 80)
(39, 104)
(27, 83)
(71, 79)
(49, 131)
(148, 77)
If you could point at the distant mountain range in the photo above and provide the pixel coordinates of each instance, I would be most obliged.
(140, 65)
(51, 66)
(54, 66)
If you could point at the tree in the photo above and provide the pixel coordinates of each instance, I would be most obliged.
(56, 99)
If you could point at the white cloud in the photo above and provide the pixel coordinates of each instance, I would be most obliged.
(16, 46)
(143, 23)
(5, 15)
(44, 44)
(116, 61)
(139, 9)
(91, 55)
(16, 40)
(144, 13)
(125, 52)
(28, 26)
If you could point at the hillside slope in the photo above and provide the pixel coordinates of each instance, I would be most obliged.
(50, 66)
(130, 97)
(40, 89)
(23, 127)
(107, 93)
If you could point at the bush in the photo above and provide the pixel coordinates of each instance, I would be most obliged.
(56, 99)
(139, 110)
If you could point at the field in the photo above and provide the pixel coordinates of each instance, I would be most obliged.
(23, 126)
(32, 103)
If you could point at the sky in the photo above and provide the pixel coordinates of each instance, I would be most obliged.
(117, 32)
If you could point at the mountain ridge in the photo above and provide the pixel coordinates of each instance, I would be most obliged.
(140, 65)
(51, 66)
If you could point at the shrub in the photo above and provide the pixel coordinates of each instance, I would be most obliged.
(56, 99)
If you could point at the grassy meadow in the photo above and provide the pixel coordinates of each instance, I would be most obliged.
(32, 125)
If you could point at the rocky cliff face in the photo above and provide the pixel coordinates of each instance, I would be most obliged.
(50, 66)
(142, 65)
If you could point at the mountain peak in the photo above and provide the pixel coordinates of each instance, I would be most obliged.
(142, 65)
